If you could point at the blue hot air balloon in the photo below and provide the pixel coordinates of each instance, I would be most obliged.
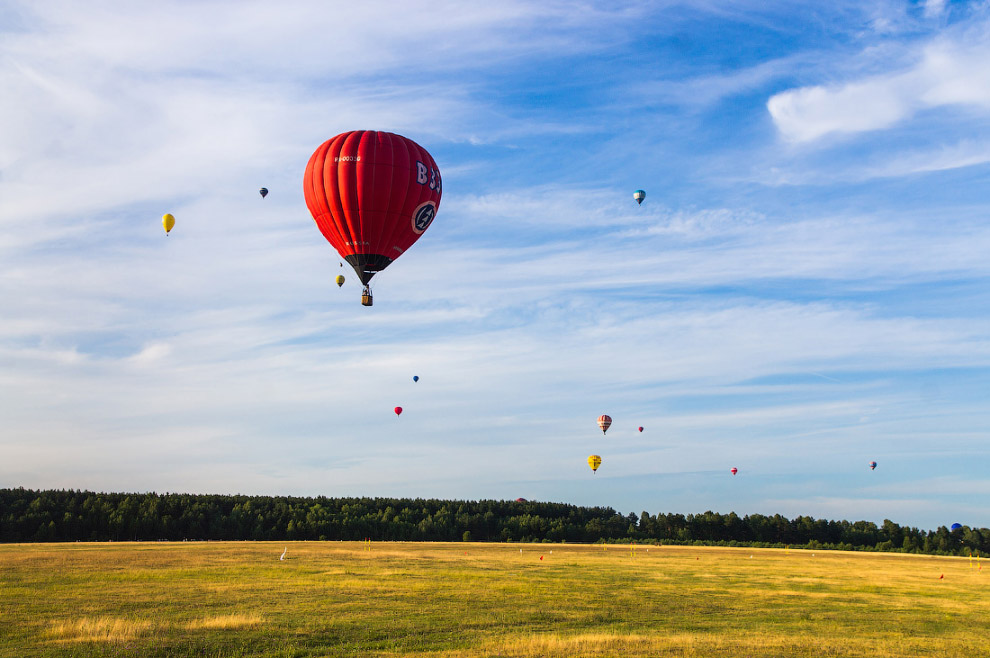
(415, 378)
(639, 195)
(956, 526)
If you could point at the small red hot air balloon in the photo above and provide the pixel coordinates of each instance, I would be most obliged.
(604, 422)
(398, 411)
(372, 195)
(733, 470)
(640, 429)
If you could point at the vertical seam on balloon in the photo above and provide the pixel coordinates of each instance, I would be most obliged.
(331, 217)
(375, 166)
(397, 210)
(343, 193)
(381, 138)
(317, 190)
(337, 213)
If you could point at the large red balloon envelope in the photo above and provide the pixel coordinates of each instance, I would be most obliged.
(372, 195)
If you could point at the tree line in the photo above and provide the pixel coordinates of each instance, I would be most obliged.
(68, 515)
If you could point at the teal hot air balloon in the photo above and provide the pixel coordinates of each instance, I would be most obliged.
(639, 195)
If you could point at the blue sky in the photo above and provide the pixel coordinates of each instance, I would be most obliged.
(805, 289)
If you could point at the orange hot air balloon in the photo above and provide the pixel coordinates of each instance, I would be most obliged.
(372, 195)
(604, 422)
(398, 411)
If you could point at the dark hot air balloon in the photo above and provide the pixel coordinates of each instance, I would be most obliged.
(263, 192)
(415, 378)
(372, 195)
(640, 429)
(873, 466)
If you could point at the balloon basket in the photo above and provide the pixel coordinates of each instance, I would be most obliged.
(366, 298)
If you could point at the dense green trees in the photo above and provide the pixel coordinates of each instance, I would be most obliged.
(39, 516)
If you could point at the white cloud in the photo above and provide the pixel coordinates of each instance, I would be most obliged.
(934, 8)
(948, 72)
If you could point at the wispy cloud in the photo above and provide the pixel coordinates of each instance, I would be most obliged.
(949, 71)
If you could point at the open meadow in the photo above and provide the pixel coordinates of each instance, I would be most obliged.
(469, 599)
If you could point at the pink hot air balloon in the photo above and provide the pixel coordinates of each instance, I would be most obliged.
(398, 411)
(733, 470)
(604, 422)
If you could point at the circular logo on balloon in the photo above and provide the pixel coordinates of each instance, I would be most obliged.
(423, 216)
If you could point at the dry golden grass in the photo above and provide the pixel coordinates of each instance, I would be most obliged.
(98, 629)
(460, 599)
(225, 621)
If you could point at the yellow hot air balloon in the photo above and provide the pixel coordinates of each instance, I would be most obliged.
(594, 461)
(340, 280)
(168, 222)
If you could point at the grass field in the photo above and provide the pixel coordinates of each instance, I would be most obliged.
(453, 600)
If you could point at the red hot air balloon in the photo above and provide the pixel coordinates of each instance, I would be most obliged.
(640, 429)
(733, 470)
(604, 422)
(372, 195)
(398, 411)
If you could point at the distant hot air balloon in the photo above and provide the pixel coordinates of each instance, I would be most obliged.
(340, 280)
(873, 466)
(733, 470)
(639, 195)
(415, 378)
(640, 429)
(168, 221)
(263, 192)
(398, 411)
(594, 461)
(956, 526)
(521, 500)
(604, 422)
(372, 194)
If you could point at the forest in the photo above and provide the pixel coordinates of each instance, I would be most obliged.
(68, 515)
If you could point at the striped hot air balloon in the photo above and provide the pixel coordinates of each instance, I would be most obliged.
(604, 422)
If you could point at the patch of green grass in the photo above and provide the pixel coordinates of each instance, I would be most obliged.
(453, 600)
